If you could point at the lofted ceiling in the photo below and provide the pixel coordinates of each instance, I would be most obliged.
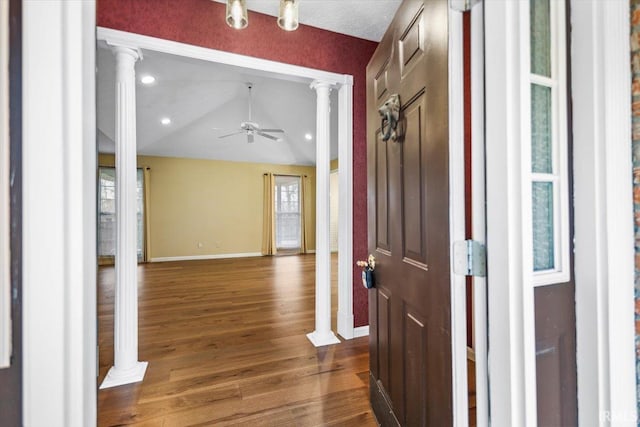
(205, 100)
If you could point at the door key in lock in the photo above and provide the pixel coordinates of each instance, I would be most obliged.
(367, 271)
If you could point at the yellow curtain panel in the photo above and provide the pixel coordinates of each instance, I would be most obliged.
(304, 212)
(268, 222)
(147, 214)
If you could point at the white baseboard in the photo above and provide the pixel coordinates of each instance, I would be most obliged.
(361, 331)
(311, 251)
(199, 257)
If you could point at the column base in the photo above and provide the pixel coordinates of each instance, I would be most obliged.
(116, 377)
(320, 340)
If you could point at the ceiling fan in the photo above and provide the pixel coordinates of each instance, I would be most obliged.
(251, 128)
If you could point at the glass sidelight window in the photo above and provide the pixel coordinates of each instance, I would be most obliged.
(549, 127)
(107, 213)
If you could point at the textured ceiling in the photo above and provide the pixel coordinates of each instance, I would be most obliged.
(366, 19)
(205, 100)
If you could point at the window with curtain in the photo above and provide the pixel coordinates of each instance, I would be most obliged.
(549, 161)
(107, 213)
(287, 204)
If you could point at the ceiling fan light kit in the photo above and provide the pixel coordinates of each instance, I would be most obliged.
(238, 18)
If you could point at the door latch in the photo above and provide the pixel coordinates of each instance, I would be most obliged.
(469, 258)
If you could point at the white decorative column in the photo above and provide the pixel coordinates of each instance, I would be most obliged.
(323, 334)
(126, 367)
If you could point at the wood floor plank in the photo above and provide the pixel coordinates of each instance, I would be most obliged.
(226, 345)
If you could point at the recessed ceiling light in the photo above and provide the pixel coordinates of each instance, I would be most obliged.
(147, 79)
(165, 121)
(308, 136)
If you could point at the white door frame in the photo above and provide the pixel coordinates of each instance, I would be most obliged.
(344, 84)
(603, 216)
(478, 214)
(59, 219)
(457, 219)
(604, 247)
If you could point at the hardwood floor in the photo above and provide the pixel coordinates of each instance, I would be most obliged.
(226, 345)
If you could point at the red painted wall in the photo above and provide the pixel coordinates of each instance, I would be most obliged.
(201, 23)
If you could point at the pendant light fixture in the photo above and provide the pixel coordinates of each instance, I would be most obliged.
(237, 14)
(288, 15)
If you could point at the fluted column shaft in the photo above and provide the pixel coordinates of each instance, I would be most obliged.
(126, 368)
(323, 334)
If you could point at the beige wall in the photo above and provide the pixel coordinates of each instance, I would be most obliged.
(214, 203)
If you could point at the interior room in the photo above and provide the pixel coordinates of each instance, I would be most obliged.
(201, 185)
(169, 225)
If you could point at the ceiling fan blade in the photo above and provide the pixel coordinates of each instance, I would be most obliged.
(249, 138)
(268, 136)
(272, 130)
(231, 134)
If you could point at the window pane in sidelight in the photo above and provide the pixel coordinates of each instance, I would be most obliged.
(540, 20)
(543, 241)
(541, 145)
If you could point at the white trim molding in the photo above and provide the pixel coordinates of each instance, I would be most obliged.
(511, 360)
(361, 331)
(345, 214)
(201, 257)
(479, 224)
(294, 72)
(59, 217)
(604, 247)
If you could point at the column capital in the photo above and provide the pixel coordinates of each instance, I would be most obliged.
(117, 48)
(321, 84)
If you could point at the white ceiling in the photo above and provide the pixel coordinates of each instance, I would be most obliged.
(205, 100)
(366, 19)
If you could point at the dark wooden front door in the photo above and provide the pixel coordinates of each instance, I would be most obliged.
(408, 199)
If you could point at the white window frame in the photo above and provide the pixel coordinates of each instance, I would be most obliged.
(139, 216)
(5, 265)
(559, 176)
(277, 201)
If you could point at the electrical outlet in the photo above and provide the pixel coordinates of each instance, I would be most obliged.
(200, 244)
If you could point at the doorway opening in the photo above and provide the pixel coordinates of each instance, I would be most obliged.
(255, 69)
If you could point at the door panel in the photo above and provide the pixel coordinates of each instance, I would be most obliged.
(384, 330)
(416, 372)
(382, 202)
(414, 198)
(408, 190)
(556, 355)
